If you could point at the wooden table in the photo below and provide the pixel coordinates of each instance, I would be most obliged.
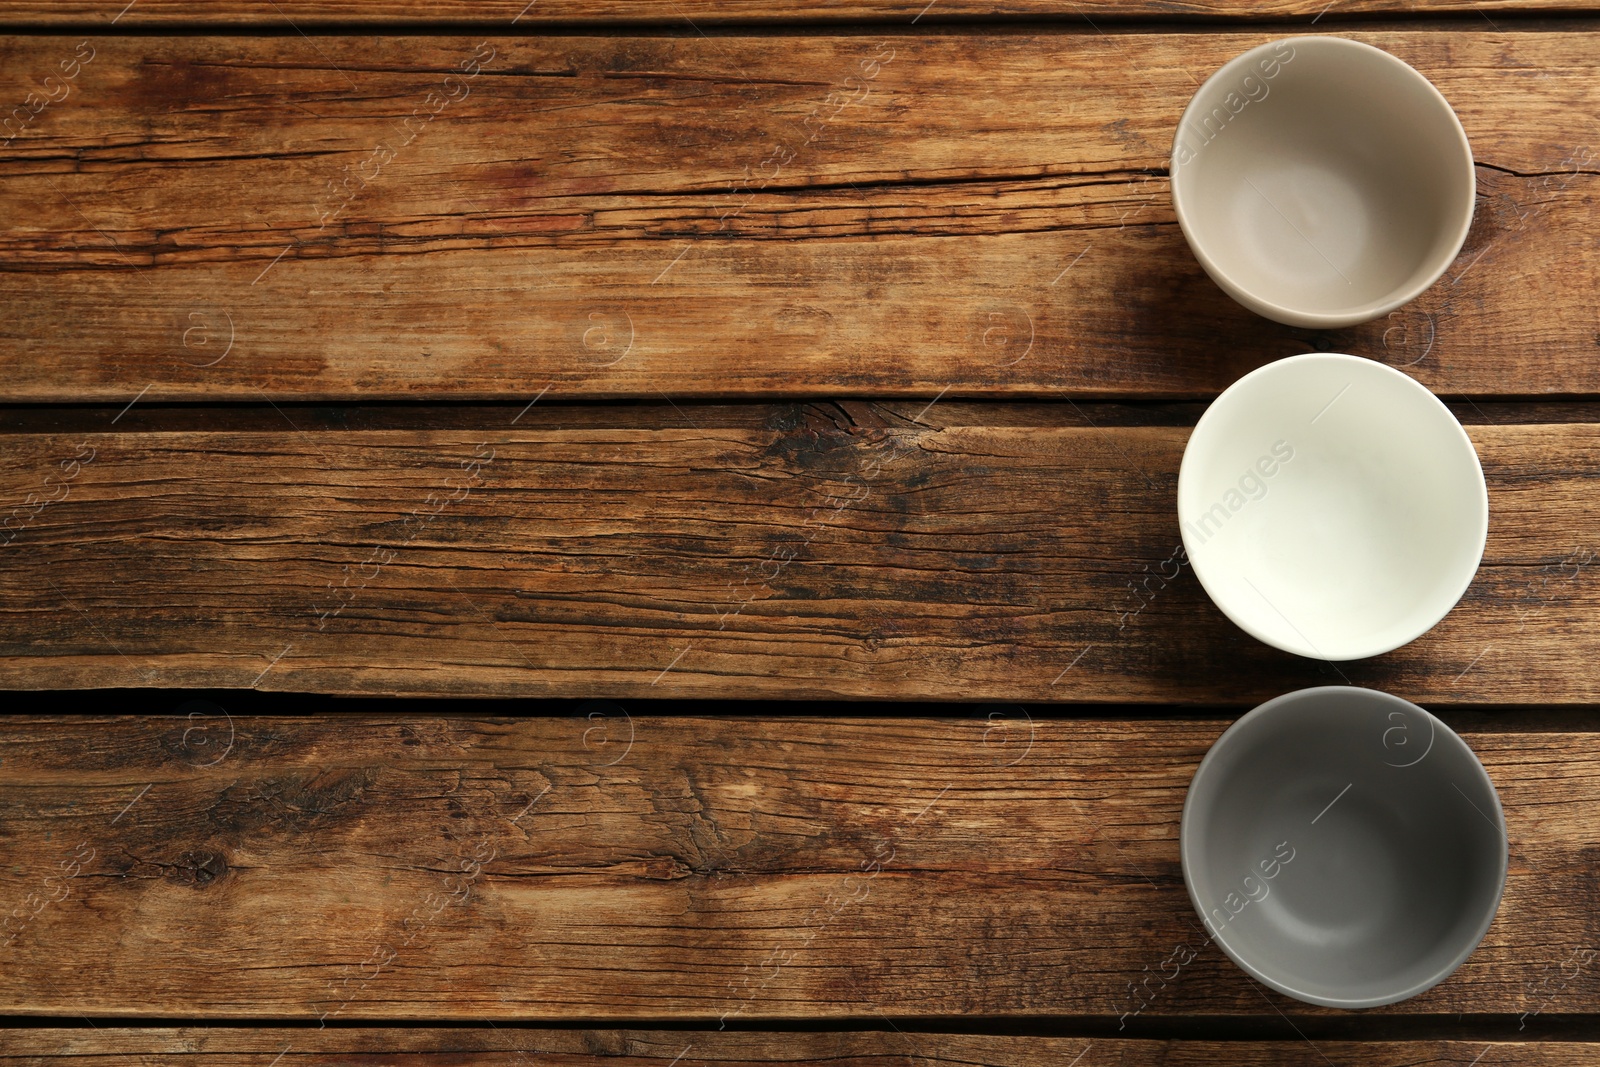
(668, 384)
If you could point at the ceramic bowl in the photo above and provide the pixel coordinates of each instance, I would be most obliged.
(1344, 847)
(1322, 182)
(1332, 506)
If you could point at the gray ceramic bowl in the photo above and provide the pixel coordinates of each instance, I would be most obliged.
(1321, 181)
(1344, 846)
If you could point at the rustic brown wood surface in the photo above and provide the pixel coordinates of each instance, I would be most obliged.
(113, 1047)
(507, 215)
(813, 554)
(707, 870)
(739, 216)
(101, 14)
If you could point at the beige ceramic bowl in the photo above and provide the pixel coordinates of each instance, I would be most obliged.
(1322, 182)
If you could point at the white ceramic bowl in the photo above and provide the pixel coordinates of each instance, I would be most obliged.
(1332, 506)
(1322, 182)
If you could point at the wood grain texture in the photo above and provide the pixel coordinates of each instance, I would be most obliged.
(736, 216)
(100, 14)
(704, 870)
(111, 1046)
(831, 552)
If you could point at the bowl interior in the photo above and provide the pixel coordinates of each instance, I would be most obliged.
(1341, 180)
(1344, 846)
(1332, 506)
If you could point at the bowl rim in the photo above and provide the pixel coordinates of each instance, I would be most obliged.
(1277, 310)
(1442, 731)
(1382, 371)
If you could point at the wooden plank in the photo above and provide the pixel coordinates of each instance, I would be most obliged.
(734, 216)
(111, 1046)
(717, 870)
(816, 555)
(98, 14)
